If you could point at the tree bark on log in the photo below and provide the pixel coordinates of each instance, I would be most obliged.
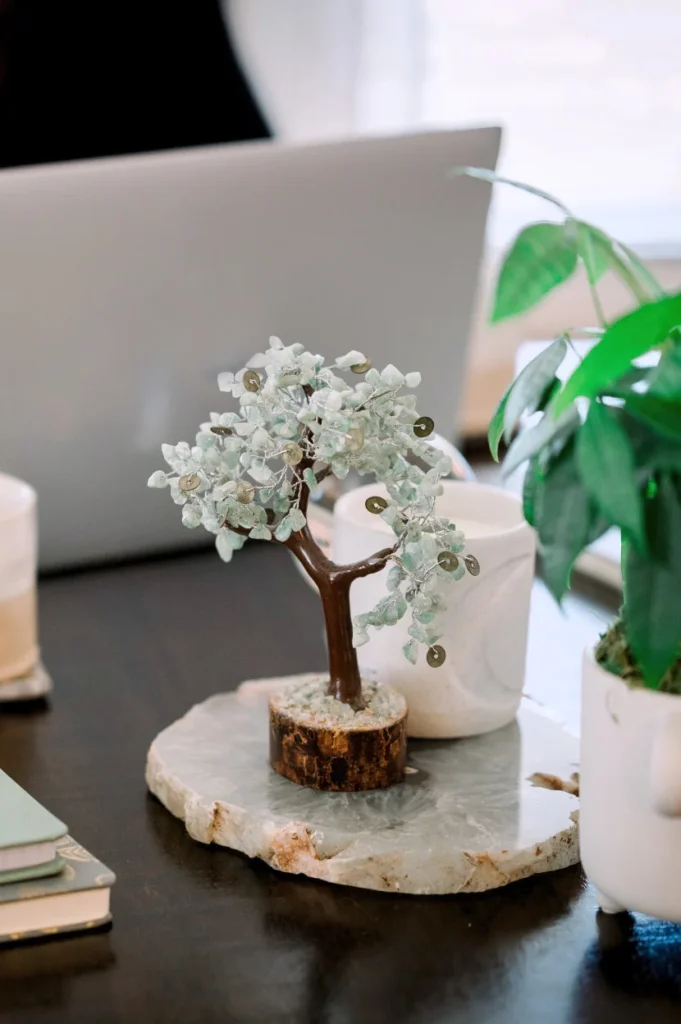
(337, 758)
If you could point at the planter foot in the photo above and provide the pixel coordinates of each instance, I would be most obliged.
(614, 930)
(608, 905)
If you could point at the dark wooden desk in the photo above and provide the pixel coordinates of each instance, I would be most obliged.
(202, 934)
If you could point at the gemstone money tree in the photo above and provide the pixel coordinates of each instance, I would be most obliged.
(250, 475)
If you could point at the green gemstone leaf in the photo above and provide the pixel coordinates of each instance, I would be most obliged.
(625, 340)
(310, 478)
(542, 256)
(411, 651)
(224, 548)
(652, 608)
(606, 464)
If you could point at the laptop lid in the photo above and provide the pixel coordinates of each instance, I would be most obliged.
(129, 283)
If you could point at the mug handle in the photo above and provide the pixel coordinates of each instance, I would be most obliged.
(665, 768)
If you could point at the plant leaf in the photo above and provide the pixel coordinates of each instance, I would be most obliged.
(484, 174)
(598, 250)
(595, 250)
(625, 340)
(565, 518)
(534, 439)
(542, 256)
(630, 269)
(630, 280)
(643, 274)
(665, 379)
(662, 414)
(496, 427)
(533, 478)
(550, 391)
(625, 385)
(663, 454)
(652, 597)
(651, 451)
(605, 460)
(529, 387)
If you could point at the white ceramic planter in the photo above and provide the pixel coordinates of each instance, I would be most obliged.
(630, 794)
(479, 686)
(18, 544)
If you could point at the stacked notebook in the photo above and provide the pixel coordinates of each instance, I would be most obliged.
(48, 883)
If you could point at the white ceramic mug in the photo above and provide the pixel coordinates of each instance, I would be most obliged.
(479, 686)
(630, 794)
(18, 554)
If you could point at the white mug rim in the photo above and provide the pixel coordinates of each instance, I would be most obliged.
(351, 500)
(26, 498)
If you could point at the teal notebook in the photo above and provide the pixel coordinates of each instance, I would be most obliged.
(75, 899)
(28, 832)
(50, 867)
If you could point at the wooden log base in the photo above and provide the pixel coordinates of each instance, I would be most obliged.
(359, 751)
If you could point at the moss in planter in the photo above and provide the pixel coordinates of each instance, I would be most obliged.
(614, 655)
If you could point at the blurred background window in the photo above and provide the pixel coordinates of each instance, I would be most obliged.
(588, 92)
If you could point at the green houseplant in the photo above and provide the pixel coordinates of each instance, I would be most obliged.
(605, 450)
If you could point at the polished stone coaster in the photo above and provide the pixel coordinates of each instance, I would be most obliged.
(472, 814)
(36, 683)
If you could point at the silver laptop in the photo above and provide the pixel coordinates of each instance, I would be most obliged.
(128, 284)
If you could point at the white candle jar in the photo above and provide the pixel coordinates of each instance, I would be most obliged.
(479, 686)
(18, 555)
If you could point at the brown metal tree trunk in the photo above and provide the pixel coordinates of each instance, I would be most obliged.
(334, 582)
(344, 679)
(337, 755)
